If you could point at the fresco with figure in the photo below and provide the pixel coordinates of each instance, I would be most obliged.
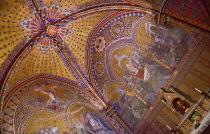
(50, 107)
(168, 43)
(143, 78)
(86, 123)
(142, 58)
(64, 58)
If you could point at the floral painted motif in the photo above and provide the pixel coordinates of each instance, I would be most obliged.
(99, 44)
(49, 21)
(117, 29)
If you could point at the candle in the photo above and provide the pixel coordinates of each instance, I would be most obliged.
(198, 90)
(168, 127)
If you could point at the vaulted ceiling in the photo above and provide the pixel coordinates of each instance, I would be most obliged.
(97, 66)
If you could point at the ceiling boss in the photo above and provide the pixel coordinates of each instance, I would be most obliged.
(50, 22)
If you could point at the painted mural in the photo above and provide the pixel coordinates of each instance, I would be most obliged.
(142, 77)
(86, 123)
(142, 59)
(50, 107)
(168, 43)
(40, 98)
(126, 57)
(129, 107)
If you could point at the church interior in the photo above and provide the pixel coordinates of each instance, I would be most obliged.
(104, 66)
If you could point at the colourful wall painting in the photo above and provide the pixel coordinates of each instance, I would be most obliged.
(129, 107)
(139, 72)
(166, 43)
(144, 63)
(154, 50)
(46, 106)
(93, 124)
(86, 123)
(52, 103)
(140, 60)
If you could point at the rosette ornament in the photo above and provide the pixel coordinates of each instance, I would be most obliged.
(49, 22)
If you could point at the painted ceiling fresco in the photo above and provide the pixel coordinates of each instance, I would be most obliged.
(99, 67)
(138, 62)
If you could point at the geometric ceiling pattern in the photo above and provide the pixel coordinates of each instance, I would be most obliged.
(104, 67)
